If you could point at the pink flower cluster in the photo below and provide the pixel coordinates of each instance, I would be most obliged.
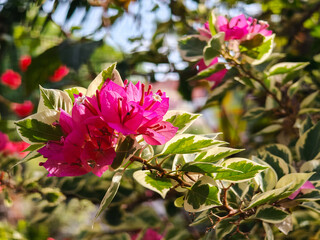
(92, 129)
(12, 148)
(238, 28)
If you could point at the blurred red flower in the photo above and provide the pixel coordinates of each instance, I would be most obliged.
(59, 74)
(10, 148)
(22, 109)
(24, 62)
(11, 78)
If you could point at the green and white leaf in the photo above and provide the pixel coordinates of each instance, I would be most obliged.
(312, 166)
(277, 163)
(213, 48)
(201, 167)
(286, 67)
(314, 206)
(259, 54)
(279, 150)
(215, 154)
(97, 83)
(111, 192)
(204, 194)
(188, 143)
(266, 179)
(245, 169)
(271, 214)
(37, 128)
(270, 129)
(308, 145)
(212, 23)
(284, 188)
(309, 195)
(255, 113)
(307, 102)
(268, 230)
(225, 227)
(191, 47)
(153, 182)
(181, 119)
(52, 99)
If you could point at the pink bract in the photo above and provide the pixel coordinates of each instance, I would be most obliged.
(134, 110)
(59, 74)
(240, 28)
(216, 77)
(149, 235)
(305, 186)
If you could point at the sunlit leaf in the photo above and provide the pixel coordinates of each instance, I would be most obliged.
(181, 119)
(271, 214)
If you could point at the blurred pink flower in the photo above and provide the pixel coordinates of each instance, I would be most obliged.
(24, 62)
(10, 148)
(149, 235)
(236, 28)
(306, 185)
(216, 77)
(241, 28)
(3, 140)
(11, 78)
(59, 74)
(22, 109)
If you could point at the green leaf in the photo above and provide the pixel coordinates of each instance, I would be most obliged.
(212, 23)
(309, 100)
(255, 113)
(111, 192)
(267, 179)
(215, 154)
(75, 90)
(213, 48)
(268, 230)
(34, 131)
(75, 53)
(312, 166)
(179, 201)
(41, 68)
(208, 72)
(284, 188)
(54, 99)
(308, 145)
(225, 227)
(277, 163)
(191, 47)
(153, 182)
(204, 194)
(244, 170)
(98, 82)
(305, 125)
(187, 143)
(201, 167)
(256, 41)
(280, 151)
(314, 206)
(33, 147)
(180, 119)
(125, 150)
(30, 156)
(286, 67)
(271, 214)
(261, 53)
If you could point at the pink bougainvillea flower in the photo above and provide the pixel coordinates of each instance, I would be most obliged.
(254, 28)
(24, 62)
(149, 235)
(11, 78)
(88, 144)
(205, 30)
(216, 77)
(59, 74)
(305, 186)
(240, 28)
(22, 109)
(132, 110)
(237, 28)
